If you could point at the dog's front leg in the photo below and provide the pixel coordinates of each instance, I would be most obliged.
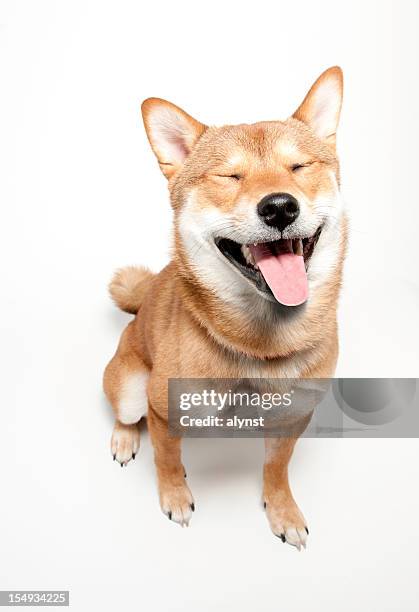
(284, 516)
(175, 497)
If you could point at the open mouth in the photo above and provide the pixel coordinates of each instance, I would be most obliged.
(277, 268)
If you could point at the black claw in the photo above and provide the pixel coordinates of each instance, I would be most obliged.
(264, 504)
(122, 465)
(306, 530)
(114, 457)
(282, 536)
(185, 476)
(133, 455)
(169, 514)
(193, 507)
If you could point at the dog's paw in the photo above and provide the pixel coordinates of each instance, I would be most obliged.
(177, 503)
(286, 520)
(125, 443)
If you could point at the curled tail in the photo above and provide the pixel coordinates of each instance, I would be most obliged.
(128, 287)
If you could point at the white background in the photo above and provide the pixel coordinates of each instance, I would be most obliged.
(81, 194)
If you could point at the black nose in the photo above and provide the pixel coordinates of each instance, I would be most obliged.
(278, 210)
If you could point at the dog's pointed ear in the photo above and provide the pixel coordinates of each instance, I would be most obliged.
(321, 107)
(172, 133)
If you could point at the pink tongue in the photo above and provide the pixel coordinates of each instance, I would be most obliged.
(285, 274)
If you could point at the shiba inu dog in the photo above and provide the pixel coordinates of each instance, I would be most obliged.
(252, 288)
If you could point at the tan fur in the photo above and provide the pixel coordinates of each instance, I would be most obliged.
(185, 329)
(129, 286)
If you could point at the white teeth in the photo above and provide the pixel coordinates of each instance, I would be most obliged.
(247, 254)
(297, 244)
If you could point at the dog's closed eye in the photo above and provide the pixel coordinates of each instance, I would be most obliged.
(236, 177)
(296, 167)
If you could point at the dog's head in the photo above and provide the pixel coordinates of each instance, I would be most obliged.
(257, 207)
